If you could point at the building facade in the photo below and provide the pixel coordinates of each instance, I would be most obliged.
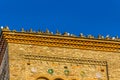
(46, 56)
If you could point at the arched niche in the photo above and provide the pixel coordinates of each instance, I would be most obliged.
(58, 79)
(42, 78)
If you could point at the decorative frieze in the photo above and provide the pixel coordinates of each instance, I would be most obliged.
(67, 66)
(66, 60)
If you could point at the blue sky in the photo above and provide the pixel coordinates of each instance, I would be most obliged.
(73, 16)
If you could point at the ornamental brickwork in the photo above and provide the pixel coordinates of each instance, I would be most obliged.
(47, 56)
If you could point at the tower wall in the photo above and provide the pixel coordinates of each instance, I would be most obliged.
(29, 62)
(44, 56)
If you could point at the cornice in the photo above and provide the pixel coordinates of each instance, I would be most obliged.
(61, 41)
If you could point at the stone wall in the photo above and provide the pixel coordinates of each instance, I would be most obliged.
(4, 69)
(24, 67)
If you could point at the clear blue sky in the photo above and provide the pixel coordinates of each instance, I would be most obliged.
(74, 16)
